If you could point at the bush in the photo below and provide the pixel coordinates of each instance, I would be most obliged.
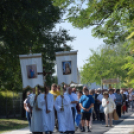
(6, 102)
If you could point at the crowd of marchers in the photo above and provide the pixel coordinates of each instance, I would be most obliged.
(69, 109)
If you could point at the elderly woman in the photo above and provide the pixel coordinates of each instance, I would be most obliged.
(109, 107)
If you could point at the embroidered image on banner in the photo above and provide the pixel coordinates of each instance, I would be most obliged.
(31, 71)
(66, 65)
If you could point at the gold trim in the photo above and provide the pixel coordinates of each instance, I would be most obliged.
(33, 87)
(69, 84)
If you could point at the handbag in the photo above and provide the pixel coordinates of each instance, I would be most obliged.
(124, 108)
(101, 109)
(116, 117)
(121, 109)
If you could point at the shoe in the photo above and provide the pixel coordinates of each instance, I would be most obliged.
(80, 127)
(88, 130)
(83, 129)
(76, 128)
(72, 132)
(106, 126)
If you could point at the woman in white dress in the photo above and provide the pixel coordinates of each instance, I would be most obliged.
(109, 107)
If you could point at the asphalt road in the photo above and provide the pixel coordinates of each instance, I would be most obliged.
(98, 127)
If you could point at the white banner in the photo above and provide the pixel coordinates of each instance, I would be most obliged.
(66, 67)
(31, 65)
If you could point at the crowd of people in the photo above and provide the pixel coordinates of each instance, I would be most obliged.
(71, 109)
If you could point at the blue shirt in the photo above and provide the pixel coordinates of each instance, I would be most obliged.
(118, 99)
(86, 101)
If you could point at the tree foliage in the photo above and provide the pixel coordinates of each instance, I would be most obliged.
(110, 18)
(26, 24)
(105, 63)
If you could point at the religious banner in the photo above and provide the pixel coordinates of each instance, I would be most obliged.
(31, 65)
(66, 67)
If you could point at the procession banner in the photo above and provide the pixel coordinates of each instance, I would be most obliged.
(31, 65)
(66, 67)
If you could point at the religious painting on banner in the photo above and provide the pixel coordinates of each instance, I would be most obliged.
(31, 71)
(66, 67)
(31, 65)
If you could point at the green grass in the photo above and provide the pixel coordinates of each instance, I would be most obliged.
(11, 124)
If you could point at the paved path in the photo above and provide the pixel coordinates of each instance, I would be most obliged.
(122, 126)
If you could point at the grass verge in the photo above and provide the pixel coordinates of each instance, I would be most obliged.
(11, 124)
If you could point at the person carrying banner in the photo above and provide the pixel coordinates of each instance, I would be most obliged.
(46, 104)
(36, 119)
(64, 114)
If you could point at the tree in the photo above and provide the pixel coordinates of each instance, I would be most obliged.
(105, 63)
(24, 25)
(112, 20)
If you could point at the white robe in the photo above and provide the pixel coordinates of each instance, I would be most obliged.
(65, 118)
(36, 120)
(108, 108)
(48, 118)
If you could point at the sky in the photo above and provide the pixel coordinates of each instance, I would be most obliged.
(83, 43)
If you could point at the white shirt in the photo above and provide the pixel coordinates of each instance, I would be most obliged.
(28, 109)
(108, 108)
(112, 96)
(126, 93)
(75, 99)
(131, 96)
(100, 97)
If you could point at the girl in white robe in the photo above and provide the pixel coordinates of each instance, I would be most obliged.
(65, 118)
